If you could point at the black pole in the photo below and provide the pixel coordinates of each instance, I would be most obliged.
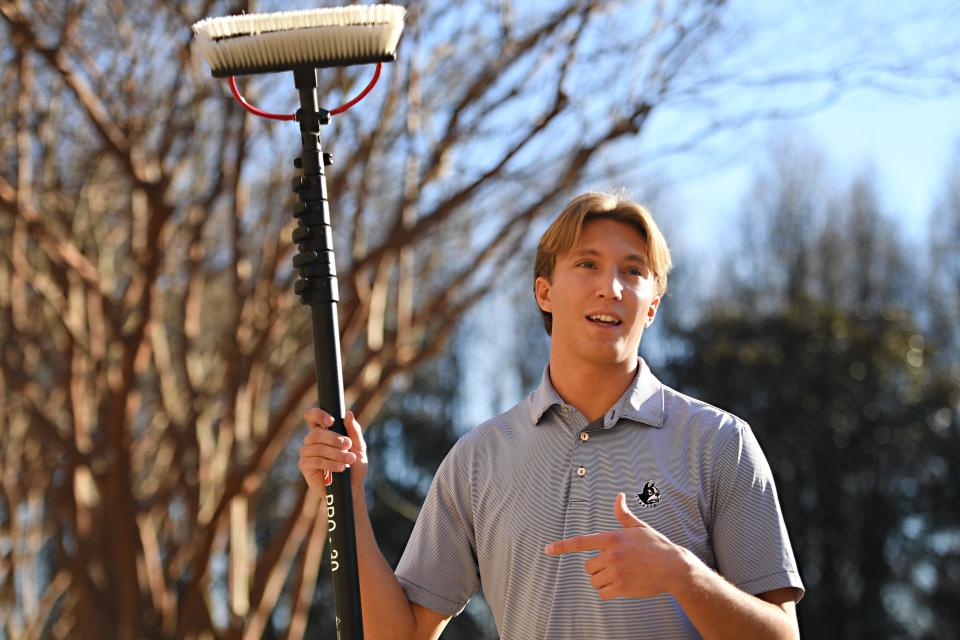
(317, 287)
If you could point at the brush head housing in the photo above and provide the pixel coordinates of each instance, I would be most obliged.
(269, 42)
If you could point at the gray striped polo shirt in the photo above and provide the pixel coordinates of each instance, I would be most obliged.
(539, 473)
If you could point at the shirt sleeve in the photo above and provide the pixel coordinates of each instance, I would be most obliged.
(750, 540)
(438, 569)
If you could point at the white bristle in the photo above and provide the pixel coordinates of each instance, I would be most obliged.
(322, 37)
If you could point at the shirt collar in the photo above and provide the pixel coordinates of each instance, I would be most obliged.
(641, 402)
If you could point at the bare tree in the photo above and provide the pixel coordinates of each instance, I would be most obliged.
(943, 282)
(154, 361)
(804, 236)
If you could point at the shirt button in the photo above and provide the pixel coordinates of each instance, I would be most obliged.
(581, 471)
(584, 436)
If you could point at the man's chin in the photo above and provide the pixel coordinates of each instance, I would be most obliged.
(612, 356)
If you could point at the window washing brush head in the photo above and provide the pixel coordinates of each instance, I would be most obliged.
(268, 42)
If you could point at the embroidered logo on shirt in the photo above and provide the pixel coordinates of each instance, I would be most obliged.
(650, 496)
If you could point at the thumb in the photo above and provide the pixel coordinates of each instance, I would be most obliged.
(353, 429)
(623, 513)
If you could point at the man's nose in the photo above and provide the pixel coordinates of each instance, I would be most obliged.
(610, 286)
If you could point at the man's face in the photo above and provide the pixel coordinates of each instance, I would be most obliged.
(602, 295)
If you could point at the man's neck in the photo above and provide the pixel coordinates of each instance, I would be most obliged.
(591, 388)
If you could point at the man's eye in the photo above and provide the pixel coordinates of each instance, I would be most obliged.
(588, 264)
(636, 271)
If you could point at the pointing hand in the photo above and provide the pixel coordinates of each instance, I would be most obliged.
(635, 562)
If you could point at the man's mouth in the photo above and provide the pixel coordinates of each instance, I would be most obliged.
(603, 320)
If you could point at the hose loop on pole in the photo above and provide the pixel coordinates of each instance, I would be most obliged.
(292, 116)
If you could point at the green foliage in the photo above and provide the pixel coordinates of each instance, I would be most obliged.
(862, 437)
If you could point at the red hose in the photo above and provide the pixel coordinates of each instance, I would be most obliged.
(361, 95)
(292, 116)
(252, 109)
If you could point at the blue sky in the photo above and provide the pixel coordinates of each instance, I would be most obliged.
(907, 143)
(910, 143)
(899, 118)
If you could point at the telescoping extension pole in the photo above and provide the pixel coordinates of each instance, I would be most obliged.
(317, 287)
(302, 42)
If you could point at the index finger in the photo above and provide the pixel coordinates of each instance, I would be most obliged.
(317, 417)
(591, 542)
(327, 437)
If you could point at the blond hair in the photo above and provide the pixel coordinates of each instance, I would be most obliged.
(563, 234)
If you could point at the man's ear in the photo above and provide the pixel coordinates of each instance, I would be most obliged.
(652, 311)
(541, 287)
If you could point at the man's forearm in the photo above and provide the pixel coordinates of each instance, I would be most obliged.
(719, 610)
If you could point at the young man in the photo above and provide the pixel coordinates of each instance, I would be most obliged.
(604, 505)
